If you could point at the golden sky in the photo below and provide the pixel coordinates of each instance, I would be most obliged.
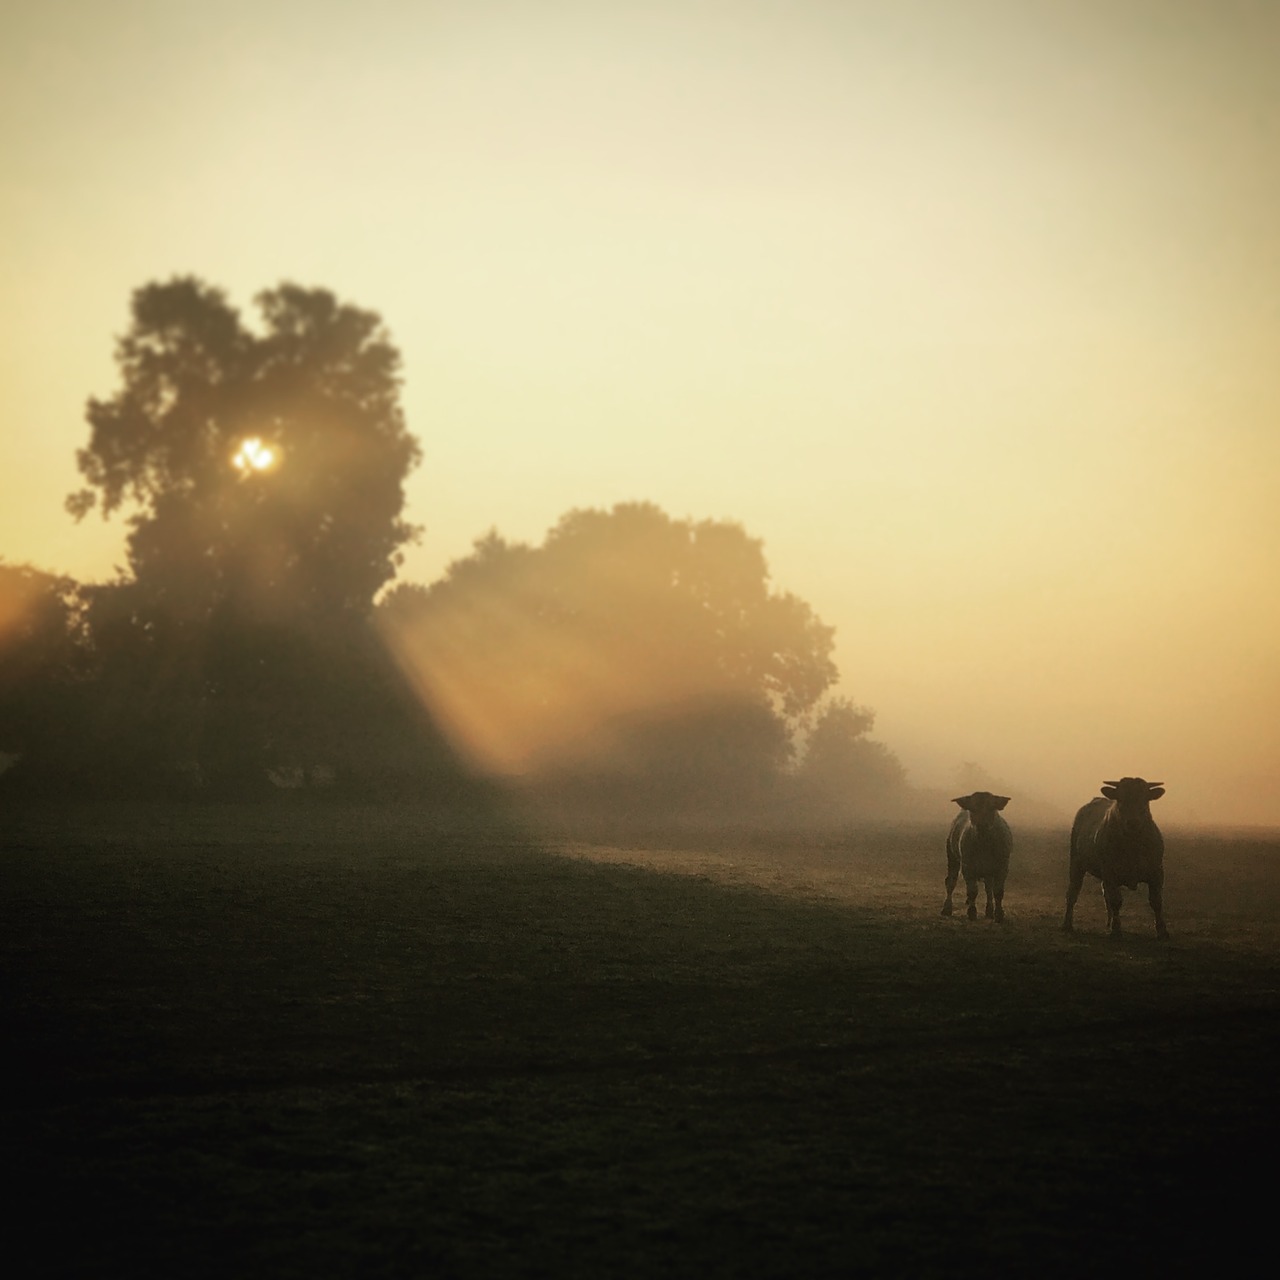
(969, 308)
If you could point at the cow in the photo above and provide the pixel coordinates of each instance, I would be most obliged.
(1115, 838)
(979, 844)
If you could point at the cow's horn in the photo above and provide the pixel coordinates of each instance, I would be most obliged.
(1153, 785)
(1105, 783)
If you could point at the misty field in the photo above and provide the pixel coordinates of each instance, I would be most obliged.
(288, 1041)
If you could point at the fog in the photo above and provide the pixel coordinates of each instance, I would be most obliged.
(967, 312)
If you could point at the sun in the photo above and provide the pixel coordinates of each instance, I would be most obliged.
(253, 455)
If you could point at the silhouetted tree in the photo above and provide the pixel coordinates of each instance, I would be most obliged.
(627, 643)
(1028, 809)
(844, 772)
(43, 656)
(264, 471)
(310, 519)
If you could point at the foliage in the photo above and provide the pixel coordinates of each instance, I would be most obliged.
(319, 388)
(628, 641)
(43, 655)
(844, 771)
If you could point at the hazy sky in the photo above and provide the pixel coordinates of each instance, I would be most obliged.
(969, 308)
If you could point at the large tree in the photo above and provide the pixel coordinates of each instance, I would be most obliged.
(265, 468)
(262, 469)
(627, 642)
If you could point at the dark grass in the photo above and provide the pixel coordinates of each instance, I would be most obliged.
(278, 1042)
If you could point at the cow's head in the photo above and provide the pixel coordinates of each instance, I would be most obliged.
(1132, 797)
(1132, 791)
(982, 806)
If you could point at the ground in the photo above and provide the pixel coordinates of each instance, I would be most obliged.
(330, 1041)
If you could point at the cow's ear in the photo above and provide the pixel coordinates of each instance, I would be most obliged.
(1109, 792)
(963, 801)
(1000, 801)
(1155, 793)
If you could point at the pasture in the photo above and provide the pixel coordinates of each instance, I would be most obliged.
(292, 1041)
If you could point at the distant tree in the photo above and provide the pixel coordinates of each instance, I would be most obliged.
(264, 472)
(1028, 809)
(970, 776)
(628, 641)
(844, 772)
(43, 656)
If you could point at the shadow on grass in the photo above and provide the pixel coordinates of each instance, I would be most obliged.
(370, 1042)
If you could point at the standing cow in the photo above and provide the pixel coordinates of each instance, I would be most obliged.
(979, 844)
(1115, 838)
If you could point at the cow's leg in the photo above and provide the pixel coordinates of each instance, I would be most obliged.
(953, 874)
(999, 895)
(1155, 895)
(990, 903)
(1114, 896)
(971, 896)
(1074, 886)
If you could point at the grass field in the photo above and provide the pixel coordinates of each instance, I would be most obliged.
(282, 1041)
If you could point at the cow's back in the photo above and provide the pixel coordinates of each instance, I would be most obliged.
(1084, 834)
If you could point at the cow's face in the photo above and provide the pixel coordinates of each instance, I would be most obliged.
(1133, 792)
(982, 807)
(1132, 798)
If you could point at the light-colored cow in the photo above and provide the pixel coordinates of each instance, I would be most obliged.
(978, 845)
(1115, 838)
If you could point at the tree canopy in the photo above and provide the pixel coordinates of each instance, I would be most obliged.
(844, 771)
(627, 636)
(265, 469)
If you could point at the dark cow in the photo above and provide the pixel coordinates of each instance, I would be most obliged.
(979, 844)
(1115, 838)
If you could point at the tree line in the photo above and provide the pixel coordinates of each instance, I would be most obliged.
(255, 639)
